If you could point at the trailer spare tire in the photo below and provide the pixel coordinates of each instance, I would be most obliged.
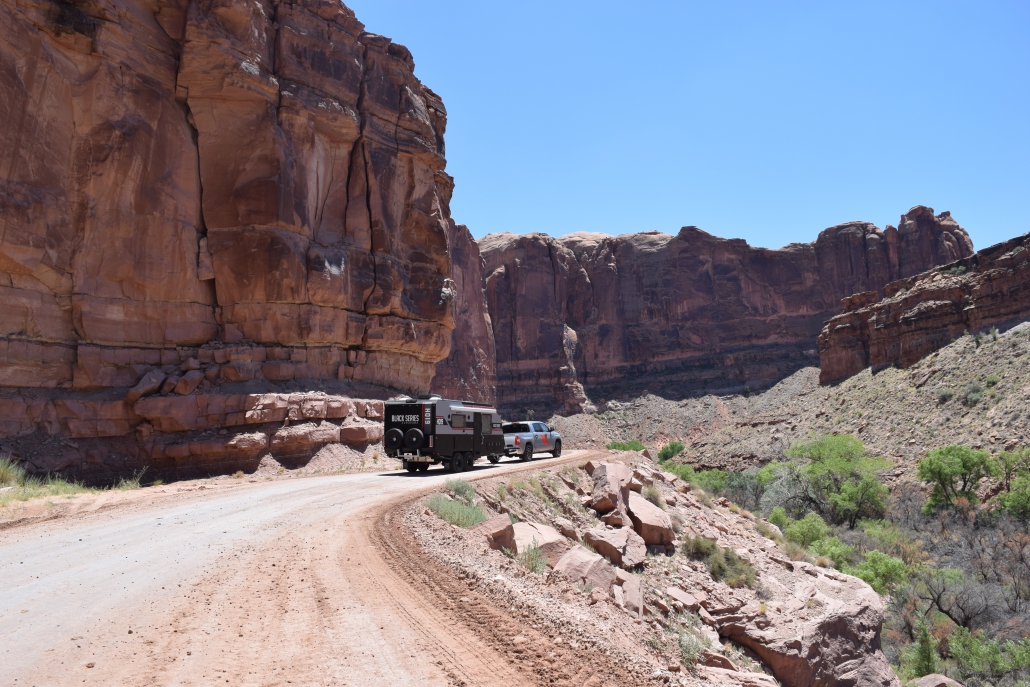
(393, 439)
(413, 438)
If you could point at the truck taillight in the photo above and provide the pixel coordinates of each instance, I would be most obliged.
(517, 440)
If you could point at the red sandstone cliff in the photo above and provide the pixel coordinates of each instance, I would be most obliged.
(928, 311)
(242, 192)
(591, 316)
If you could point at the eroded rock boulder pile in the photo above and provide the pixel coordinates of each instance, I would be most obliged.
(217, 192)
(926, 312)
(798, 623)
(593, 317)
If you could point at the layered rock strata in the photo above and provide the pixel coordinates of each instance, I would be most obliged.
(261, 181)
(923, 313)
(591, 316)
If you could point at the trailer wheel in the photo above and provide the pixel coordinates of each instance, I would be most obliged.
(410, 467)
(393, 439)
(557, 449)
(413, 438)
(457, 462)
(470, 460)
(494, 458)
(527, 453)
(422, 467)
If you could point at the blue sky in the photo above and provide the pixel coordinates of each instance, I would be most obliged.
(764, 121)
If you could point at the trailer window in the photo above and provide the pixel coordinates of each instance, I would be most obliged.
(487, 425)
(458, 421)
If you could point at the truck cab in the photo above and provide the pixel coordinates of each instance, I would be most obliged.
(524, 439)
(430, 430)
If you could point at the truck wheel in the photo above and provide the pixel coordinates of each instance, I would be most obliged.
(457, 463)
(470, 460)
(410, 467)
(422, 467)
(527, 453)
(494, 459)
(557, 449)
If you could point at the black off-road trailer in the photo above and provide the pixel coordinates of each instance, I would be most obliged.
(429, 430)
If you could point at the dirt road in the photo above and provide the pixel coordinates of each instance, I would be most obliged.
(273, 583)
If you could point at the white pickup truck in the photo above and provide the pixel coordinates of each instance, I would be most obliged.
(523, 439)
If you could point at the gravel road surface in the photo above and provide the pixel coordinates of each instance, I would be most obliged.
(270, 583)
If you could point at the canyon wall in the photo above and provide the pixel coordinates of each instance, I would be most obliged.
(590, 317)
(246, 192)
(923, 313)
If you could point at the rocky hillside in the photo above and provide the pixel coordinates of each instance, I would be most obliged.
(589, 317)
(198, 194)
(598, 558)
(927, 311)
(974, 391)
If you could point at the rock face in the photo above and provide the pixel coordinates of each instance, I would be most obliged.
(591, 316)
(925, 312)
(837, 645)
(179, 180)
(468, 372)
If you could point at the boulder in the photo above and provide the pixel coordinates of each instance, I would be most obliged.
(566, 527)
(828, 632)
(149, 384)
(935, 680)
(551, 542)
(651, 522)
(189, 382)
(586, 569)
(632, 592)
(623, 547)
(611, 487)
(498, 532)
(687, 600)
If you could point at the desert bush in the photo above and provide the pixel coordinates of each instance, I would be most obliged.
(838, 553)
(944, 395)
(992, 380)
(747, 488)
(699, 548)
(10, 472)
(455, 512)
(954, 471)
(779, 518)
(957, 271)
(727, 566)
(533, 559)
(881, 572)
(712, 481)
(921, 656)
(692, 645)
(651, 493)
(972, 394)
(625, 446)
(461, 488)
(766, 531)
(670, 450)
(130, 483)
(794, 551)
(807, 530)
(681, 470)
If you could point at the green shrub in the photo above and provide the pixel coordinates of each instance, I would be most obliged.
(992, 380)
(834, 549)
(972, 394)
(131, 483)
(651, 493)
(10, 472)
(794, 551)
(957, 271)
(954, 471)
(881, 572)
(1017, 499)
(766, 531)
(681, 470)
(699, 548)
(944, 395)
(920, 657)
(31, 487)
(533, 559)
(779, 518)
(994, 333)
(461, 488)
(670, 450)
(723, 564)
(692, 645)
(983, 660)
(807, 530)
(712, 481)
(455, 512)
(625, 446)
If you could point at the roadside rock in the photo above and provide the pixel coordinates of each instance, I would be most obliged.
(651, 522)
(935, 680)
(827, 632)
(586, 568)
(611, 487)
(552, 544)
(623, 547)
(149, 384)
(498, 532)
